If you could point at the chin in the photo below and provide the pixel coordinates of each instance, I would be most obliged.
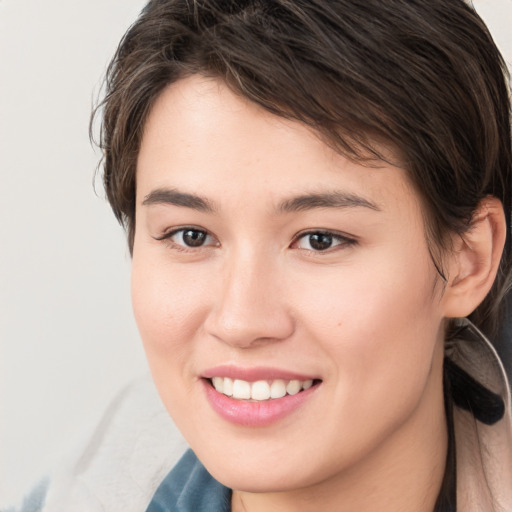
(255, 471)
(260, 480)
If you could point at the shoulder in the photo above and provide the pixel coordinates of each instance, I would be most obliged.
(482, 422)
(120, 463)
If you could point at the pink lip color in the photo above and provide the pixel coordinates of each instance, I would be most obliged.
(255, 414)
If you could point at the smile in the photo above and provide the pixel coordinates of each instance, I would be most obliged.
(257, 397)
(260, 390)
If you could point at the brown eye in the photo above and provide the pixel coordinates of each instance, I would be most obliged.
(193, 237)
(189, 237)
(320, 241)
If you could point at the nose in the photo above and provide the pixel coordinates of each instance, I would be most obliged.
(251, 305)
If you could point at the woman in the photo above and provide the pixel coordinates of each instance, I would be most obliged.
(318, 201)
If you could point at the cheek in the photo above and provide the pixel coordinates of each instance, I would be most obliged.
(379, 323)
(378, 292)
(169, 304)
(379, 329)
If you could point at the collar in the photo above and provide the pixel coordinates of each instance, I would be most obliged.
(190, 488)
(482, 422)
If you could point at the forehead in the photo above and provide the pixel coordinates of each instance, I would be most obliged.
(200, 136)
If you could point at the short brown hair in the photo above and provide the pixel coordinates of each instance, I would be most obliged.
(422, 76)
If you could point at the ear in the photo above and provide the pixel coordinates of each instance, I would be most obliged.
(475, 259)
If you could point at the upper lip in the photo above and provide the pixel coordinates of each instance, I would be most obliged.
(253, 374)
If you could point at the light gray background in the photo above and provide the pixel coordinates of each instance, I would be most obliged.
(67, 338)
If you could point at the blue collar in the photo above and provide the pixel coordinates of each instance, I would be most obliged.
(190, 488)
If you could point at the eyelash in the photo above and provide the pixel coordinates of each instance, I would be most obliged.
(167, 237)
(343, 240)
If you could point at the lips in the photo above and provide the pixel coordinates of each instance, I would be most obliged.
(256, 396)
(255, 373)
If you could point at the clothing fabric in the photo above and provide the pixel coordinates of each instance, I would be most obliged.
(482, 423)
(481, 426)
(117, 463)
(190, 488)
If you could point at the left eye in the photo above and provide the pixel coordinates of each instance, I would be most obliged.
(319, 241)
(190, 237)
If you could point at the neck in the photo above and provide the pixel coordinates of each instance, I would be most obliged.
(405, 473)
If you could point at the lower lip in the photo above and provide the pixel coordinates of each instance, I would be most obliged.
(255, 414)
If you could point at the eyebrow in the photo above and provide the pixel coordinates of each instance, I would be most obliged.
(295, 204)
(177, 198)
(326, 200)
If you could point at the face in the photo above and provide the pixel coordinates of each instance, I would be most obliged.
(265, 264)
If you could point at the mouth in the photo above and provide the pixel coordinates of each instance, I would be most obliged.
(258, 403)
(257, 396)
(260, 390)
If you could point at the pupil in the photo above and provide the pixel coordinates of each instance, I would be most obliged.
(194, 238)
(320, 241)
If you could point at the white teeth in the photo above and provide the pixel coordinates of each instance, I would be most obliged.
(241, 389)
(227, 388)
(218, 384)
(307, 384)
(278, 389)
(293, 387)
(259, 390)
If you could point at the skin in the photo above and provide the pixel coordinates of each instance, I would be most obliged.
(366, 316)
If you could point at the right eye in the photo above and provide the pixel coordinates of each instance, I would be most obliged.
(189, 238)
